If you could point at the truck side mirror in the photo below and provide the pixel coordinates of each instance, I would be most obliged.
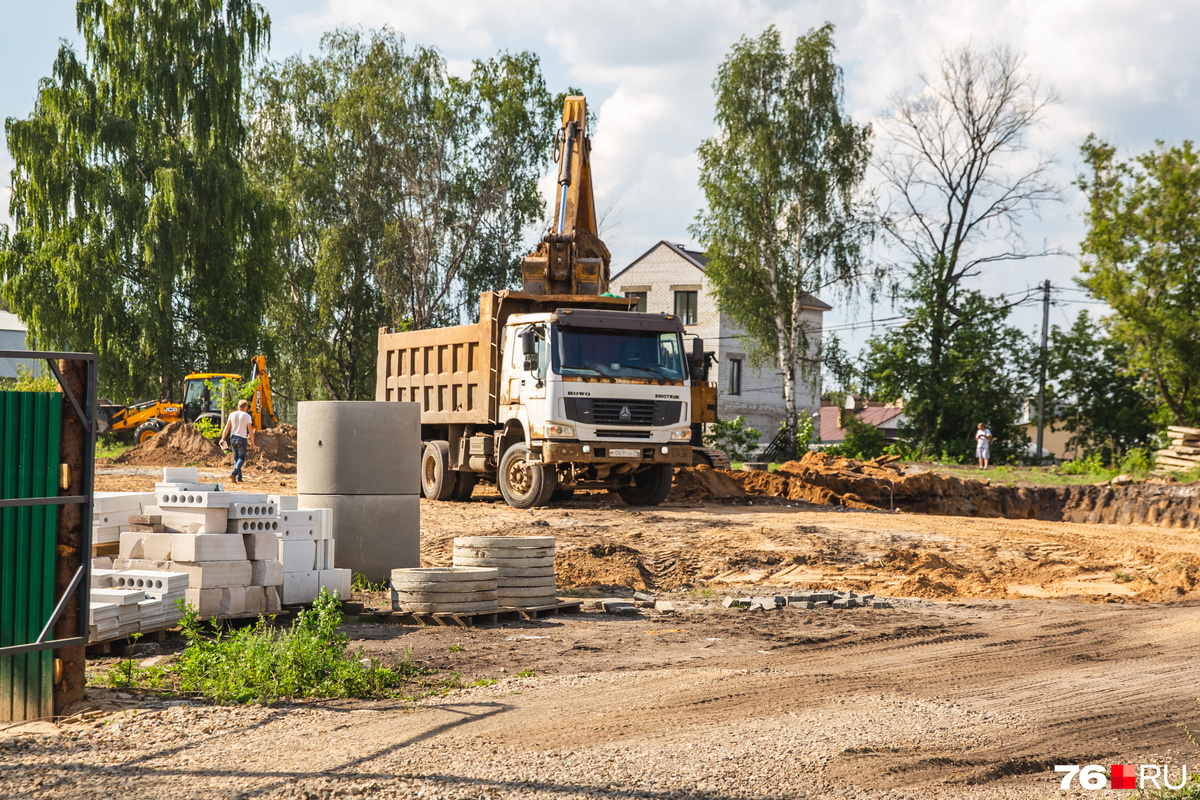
(528, 342)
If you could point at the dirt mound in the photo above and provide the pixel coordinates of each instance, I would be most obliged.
(177, 445)
(833, 480)
(181, 445)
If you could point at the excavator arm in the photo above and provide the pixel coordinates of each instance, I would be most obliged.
(261, 408)
(570, 259)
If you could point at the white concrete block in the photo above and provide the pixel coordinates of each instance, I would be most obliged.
(214, 574)
(207, 602)
(191, 520)
(102, 578)
(170, 488)
(329, 544)
(188, 499)
(266, 572)
(271, 593)
(319, 561)
(252, 509)
(153, 582)
(299, 532)
(111, 518)
(233, 600)
(152, 546)
(325, 520)
(255, 601)
(299, 587)
(261, 545)
(199, 547)
(298, 555)
(119, 597)
(284, 502)
(102, 562)
(336, 581)
(181, 474)
(105, 502)
(300, 517)
(108, 535)
(255, 525)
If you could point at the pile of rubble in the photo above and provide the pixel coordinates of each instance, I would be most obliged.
(809, 600)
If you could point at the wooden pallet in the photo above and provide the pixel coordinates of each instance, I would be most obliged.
(470, 620)
(106, 646)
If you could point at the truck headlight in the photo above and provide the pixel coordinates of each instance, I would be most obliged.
(559, 431)
(681, 434)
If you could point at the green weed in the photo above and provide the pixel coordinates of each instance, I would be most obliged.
(455, 648)
(1124, 577)
(360, 583)
(525, 673)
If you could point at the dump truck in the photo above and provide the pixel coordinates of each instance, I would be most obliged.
(545, 395)
(559, 386)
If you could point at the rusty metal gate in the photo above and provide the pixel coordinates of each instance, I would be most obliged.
(30, 427)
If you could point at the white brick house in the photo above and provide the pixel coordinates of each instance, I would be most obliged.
(670, 278)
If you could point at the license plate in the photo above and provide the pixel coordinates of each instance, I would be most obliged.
(624, 452)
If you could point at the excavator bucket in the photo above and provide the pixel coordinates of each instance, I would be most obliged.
(571, 259)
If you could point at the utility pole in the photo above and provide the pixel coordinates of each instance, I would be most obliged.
(1042, 378)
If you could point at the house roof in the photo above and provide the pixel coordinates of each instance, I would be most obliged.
(10, 322)
(698, 260)
(885, 417)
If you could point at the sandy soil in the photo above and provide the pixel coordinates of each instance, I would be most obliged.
(1020, 645)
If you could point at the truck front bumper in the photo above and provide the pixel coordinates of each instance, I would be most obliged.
(616, 453)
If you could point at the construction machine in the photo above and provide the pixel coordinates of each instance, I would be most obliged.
(559, 386)
(206, 395)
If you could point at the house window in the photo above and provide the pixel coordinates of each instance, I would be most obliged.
(735, 376)
(685, 307)
(641, 300)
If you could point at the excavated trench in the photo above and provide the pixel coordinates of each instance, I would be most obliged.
(829, 480)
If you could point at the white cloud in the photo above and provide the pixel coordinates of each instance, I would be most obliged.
(1125, 70)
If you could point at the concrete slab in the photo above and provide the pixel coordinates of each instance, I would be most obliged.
(261, 546)
(365, 448)
(336, 581)
(253, 525)
(233, 600)
(192, 520)
(207, 602)
(255, 601)
(214, 574)
(298, 555)
(299, 587)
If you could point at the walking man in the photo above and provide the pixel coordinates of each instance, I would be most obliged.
(240, 430)
(983, 445)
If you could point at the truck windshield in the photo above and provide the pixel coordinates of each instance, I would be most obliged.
(582, 352)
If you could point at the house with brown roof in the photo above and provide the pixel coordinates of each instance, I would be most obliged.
(887, 417)
(670, 278)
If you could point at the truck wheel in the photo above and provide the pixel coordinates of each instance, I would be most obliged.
(146, 430)
(437, 481)
(525, 485)
(650, 487)
(464, 485)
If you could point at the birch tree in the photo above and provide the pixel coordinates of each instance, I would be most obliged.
(785, 219)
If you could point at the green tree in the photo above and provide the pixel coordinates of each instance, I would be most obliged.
(1105, 407)
(781, 179)
(1142, 256)
(403, 186)
(983, 374)
(137, 232)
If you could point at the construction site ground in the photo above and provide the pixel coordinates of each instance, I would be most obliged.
(1012, 646)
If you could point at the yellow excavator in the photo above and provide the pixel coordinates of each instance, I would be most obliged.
(205, 394)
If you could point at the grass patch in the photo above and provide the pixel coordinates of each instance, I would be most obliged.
(360, 583)
(264, 664)
(525, 673)
(1124, 577)
(111, 447)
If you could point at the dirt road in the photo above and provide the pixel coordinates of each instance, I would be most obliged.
(1022, 645)
(930, 699)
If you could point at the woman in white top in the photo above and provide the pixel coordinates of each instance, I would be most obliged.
(983, 442)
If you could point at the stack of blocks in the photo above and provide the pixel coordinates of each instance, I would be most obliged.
(241, 553)
(111, 512)
(126, 602)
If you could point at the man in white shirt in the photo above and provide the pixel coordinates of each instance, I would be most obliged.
(239, 428)
(983, 445)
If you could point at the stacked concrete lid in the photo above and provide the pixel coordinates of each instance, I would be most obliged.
(525, 565)
(431, 590)
(362, 459)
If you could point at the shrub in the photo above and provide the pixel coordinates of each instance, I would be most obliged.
(207, 428)
(863, 440)
(738, 441)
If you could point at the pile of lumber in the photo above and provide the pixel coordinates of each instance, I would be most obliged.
(1184, 452)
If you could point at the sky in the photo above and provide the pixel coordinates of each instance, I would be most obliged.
(1127, 71)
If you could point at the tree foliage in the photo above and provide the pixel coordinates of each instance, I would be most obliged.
(407, 189)
(1142, 256)
(983, 374)
(781, 180)
(137, 232)
(1105, 407)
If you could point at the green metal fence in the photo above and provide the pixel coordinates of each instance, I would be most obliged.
(29, 457)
